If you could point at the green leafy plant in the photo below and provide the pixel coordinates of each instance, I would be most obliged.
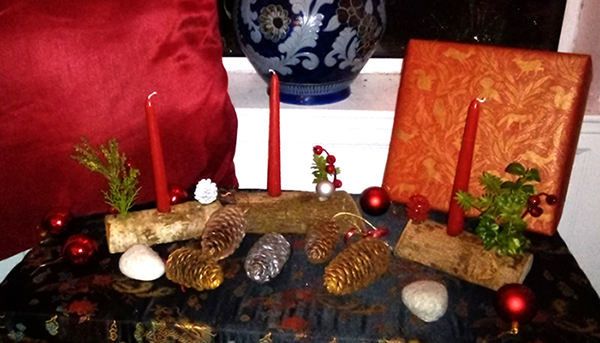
(503, 207)
(122, 179)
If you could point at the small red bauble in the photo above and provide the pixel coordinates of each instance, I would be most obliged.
(551, 199)
(536, 211)
(534, 201)
(516, 302)
(330, 169)
(337, 183)
(374, 201)
(79, 249)
(317, 150)
(56, 221)
(177, 194)
(331, 159)
(417, 208)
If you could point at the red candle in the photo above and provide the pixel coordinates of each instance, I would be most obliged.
(158, 163)
(456, 215)
(274, 168)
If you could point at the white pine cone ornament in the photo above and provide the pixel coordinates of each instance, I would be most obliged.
(206, 191)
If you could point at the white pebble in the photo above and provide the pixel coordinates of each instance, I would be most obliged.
(141, 263)
(427, 300)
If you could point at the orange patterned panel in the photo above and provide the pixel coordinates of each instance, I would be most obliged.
(533, 115)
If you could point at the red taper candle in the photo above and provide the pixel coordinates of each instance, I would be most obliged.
(456, 215)
(158, 163)
(274, 168)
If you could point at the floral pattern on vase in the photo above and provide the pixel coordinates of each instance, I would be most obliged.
(317, 47)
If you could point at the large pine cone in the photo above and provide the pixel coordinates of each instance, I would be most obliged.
(321, 241)
(188, 267)
(223, 232)
(357, 266)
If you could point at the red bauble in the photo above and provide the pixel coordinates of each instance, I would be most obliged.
(516, 303)
(417, 208)
(177, 194)
(374, 201)
(56, 221)
(79, 249)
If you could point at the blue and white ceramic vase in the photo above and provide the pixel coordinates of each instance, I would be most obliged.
(317, 47)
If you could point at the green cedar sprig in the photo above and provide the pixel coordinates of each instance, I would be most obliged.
(122, 180)
(503, 206)
(319, 165)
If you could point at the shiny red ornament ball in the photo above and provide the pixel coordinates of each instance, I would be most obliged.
(317, 150)
(516, 303)
(177, 194)
(79, 249)
(337, 183)
(374, 201)
(56, 221)
(417, 208)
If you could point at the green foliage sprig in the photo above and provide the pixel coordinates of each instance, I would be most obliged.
(319, 165)
(122, 180)
(503, 207)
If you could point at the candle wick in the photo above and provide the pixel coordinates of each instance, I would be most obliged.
(151, 95)
(482, 100)
(272, 71)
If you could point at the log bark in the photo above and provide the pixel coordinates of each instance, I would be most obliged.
(149, 227)
(291, 212)
(295, 212)
(463, 256)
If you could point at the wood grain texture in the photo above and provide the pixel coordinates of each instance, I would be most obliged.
(463, 256)
(149, 227)
(294, 212)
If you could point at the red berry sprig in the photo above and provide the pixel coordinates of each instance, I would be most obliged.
(325, 166)
(534, 202)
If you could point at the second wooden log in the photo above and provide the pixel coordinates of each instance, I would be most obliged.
(463, 256)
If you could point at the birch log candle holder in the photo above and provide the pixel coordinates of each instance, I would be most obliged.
(463, 256)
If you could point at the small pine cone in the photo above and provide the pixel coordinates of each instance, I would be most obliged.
(321, 241)
(188, 267)
(357, 266)
(223, 232)
(267, 257)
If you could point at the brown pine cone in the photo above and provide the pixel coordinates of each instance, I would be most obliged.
(321, 241)
(357, 266)
(223, 232)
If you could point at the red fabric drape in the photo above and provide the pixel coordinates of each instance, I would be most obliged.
(71, 68)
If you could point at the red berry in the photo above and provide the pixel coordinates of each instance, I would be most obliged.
(337, 183)
(330, 169)
(331, 159)
(318, 150)
(534, 201)
(551, 199)
(536, 211)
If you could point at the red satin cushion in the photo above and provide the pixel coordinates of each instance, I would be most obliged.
(84, 68)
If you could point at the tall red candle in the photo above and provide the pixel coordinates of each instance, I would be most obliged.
(456, 215)
(274, 168)
(158, 163)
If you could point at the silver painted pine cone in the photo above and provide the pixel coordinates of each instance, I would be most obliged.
(267, 257)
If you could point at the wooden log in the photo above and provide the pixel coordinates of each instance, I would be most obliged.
(149, 227)
(291, 212)
(295, 212)
(463, 256)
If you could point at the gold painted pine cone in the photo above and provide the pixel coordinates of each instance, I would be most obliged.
(321, 241)
(223, 232)
(357, 266)
(188, 267)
